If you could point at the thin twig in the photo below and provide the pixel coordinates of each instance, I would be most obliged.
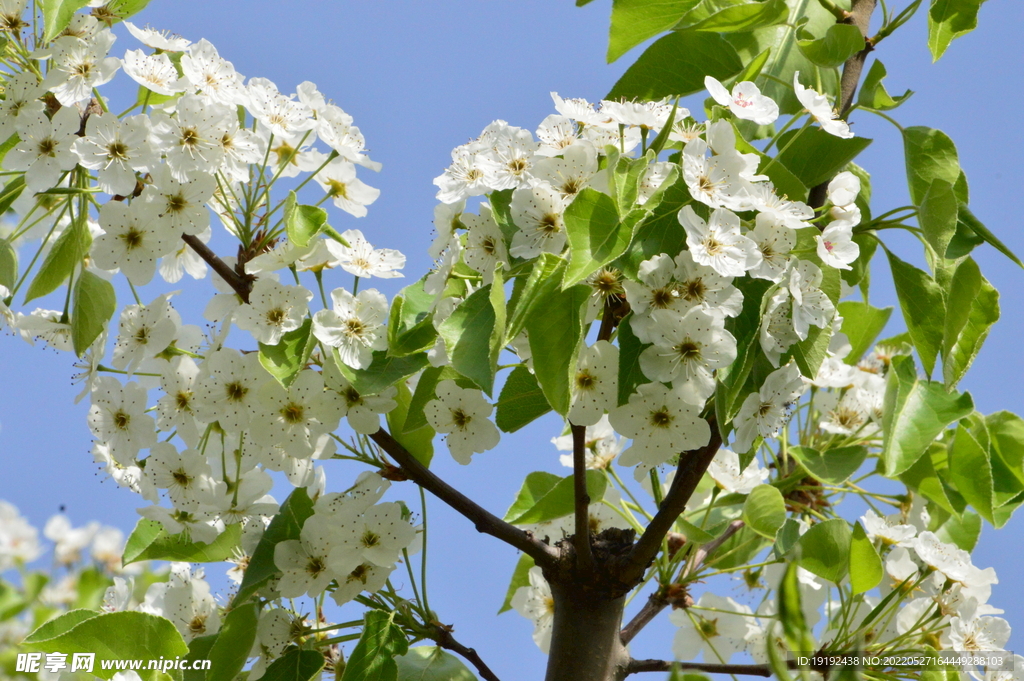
(656, 603)
(692, 466)
(581, 540)
(485, 521)
(239, 284)
(637, 666)
(445, 639)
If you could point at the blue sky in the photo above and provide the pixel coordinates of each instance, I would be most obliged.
(423, 77)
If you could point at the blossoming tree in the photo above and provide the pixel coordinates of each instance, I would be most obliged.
(680, 287)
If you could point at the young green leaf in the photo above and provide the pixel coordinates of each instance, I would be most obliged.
(740, 18)
(61, 261)
(825, 549)
(865, 565)
(520, 577)
(295, 665)
(94, 304)
(676, 65)
(816, 156)
(431, 663)
(634, 21)
(467, 335)
(972, 307)
(948, 20)
(177, 547)
(862, 324)
(971, 472)
(521, 401)
(373, 657)
(873, 94)
(287, 524)
(596, 235)
(764, 511)
(923, 308)
(302, 222)
(840, 42)
(234, 641)
(555, 330)
(930, 155)
(57, 15)
(558, 502)
(285, 360)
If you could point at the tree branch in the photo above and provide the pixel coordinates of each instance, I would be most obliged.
(691, 469)
(485, 521)
(445, 639)
(581, 540)
(240, 284)
(657, 602)
(637, 666)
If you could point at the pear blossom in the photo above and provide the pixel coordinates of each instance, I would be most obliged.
(352, 195)
(537, 212)
(294, 417)
(335, 128)
(715, 180)
(657, 290)
(144, 332)
(310, 563)
(718, 635)
(745, 101)
(601, 444)
(766, 411)
(160, 40)
(186, 601)
(357, 325)
(595, 383)
(774, 241)
(362, 411)
(191, 140)
(78, 66)
(725, 470)
(228, 388)
(280, 114)
(535, 603)
(836, 247)
(811, 307)
(556, 134)
(21, 99)
(465, 176)
(509, 159)
(843, 189)
(69, 542)
(890, 529)
(661, 424)
(19, 540)
(273, 310)
(793, 214)
(819, 107)
(718, 243)
(362, 259)
(485, 244)
(46, 325)
(186, 475)
(215, 77)
(701, 286)
(577, 168)
(118, 418)
(461, 414)
(133, 239)
(686, 351)
(117, 149)
(155, 72)
(46, 147)
(365, 577)
(181, 203)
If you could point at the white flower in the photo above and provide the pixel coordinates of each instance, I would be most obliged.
(356, 326)
(819, 107)
(973, 633)
(725, 470)
(765, 412)
(362, 259)
(310, 563)
(362, 411)
(69, 542)
(537, 213)
(118, 418)
(713, 181)
(227, 390)
(132, 240)
(295, 417)
(187, 476)
(686, 350)
(186, 601)
(774, 240)
(154, 72)
(792, 214)
(485, 244)
(117, 149)
(350, 194)
(718, 243)
(836, 247)
(595, 385)
(464, 177)
(719, 634)
(21, 98)
(282, 115)
(508, 159)
(657, 290)
(335, 128)
(19, 540)
(843, 189)
(160, 40)
(557, 134)
(745, 101)
(144, 332)
(273, 310)
(117, 598)
(182, 204)
(175, 409)
(461, 414)
(601, 442)
(535, 603)
(661, 424)
(811, 307)
(366, 577)
(78, 66)
(948, 559)
(46, 147)
(214, 77)
(192, 139)
(47, 325)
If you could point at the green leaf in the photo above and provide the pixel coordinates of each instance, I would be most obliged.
(60, 625)
(634, 21)
(865, 565)
(60, 262)
(287, 524)
(545, 276)
(383, 371)
(118, 636)
(234, 641)
(764, 511)
(418, 441)
(13, 189)
(745, 328)
(467, 336)
(8, 265)
(660, 232)
(694, 534)
(968, 221)
(285, 360)
(841, 42)
(431, 663)
(555, 331)
(791, 613)
(915, 413)
(1006, 440)
(930, 155)
(873, 94)
(198, 649)
(119, 10)
(970, 472)
(738, 18)
(937, 214)
(295, 665)
(521, 401)
(596, 236)
(834, 466)
(534, 487)
(57, 15)
(558, 502)
(922, 478)
(302, 222)
(145, 533)
(972, 307)
(630, 349)
(94, 304)
(373, 657)
(923, 307)
(963, 532)
(825, 549)
(92, 585)
(676, 65)
(177, 546)
(410, 322)
(862, 323)
(520, 577)
(816, 156)
(948, 20)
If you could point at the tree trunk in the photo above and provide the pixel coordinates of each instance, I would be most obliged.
(585, 644)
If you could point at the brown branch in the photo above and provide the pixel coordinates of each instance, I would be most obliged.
(637, 666)
(581, 540)
(657, 602)
(691, 469)
(485, 521)
(859, 16)
(445, 639)
(241, 285)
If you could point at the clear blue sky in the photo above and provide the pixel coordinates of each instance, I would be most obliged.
(422, 77)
